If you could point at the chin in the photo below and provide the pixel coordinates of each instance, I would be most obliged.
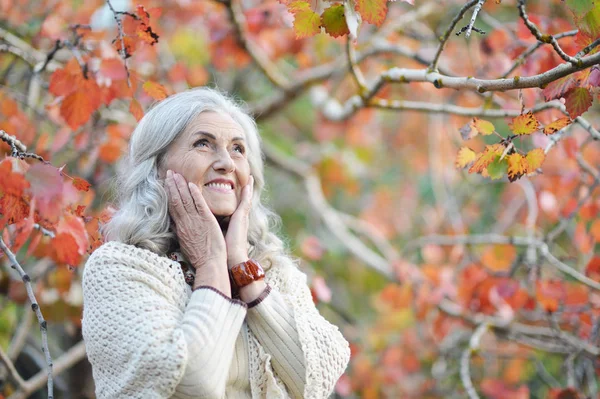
(222, 213)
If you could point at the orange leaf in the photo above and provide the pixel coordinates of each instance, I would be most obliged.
(78, 107)
(155, 90)
(111, 150)
(524, 124)
(65, 249)
(499, 258)
(517, 166)
(592, 270)
(81, 184)
(10, 182)
(486, 157)
(557, 125)
(465, 156)
(136, 109)
(595, 230)
(535, 159)
(372, 11)
(550, 294)
(13, 209)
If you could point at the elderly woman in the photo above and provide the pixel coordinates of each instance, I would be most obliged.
(194, 296)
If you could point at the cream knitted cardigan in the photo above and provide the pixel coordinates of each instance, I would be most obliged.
(161, 331)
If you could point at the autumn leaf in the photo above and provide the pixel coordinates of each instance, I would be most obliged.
(13, 209)
(579, 7)
(486, 157)
(372, 11)
(524, 124)
(155, 90)
(499, 258)
(11, 182)
(550, 294)
(595, 230)
(81, 185)
(465, 156)
(577, 101)
(517, 166)
(136, 109)
(557, 125)
(65, 249)
(535, 159)
(559, 87)
(476, 126)
(497, 168)
(78, 107)
(334, 21)
(306, 22)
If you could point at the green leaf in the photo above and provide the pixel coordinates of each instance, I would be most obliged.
(306, 21)
(372, 11)
(577, 101)
(580, 7)
(498, 168)
(334, 21)
(590, 24)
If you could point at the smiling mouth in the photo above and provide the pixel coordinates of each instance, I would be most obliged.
(223, 187)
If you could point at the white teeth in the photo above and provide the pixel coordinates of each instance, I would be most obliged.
(219, 185)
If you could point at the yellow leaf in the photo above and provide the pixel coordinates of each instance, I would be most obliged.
(484, 127)
(465, 156)
(524, 124)
(557, 125)
(535, 159)
(517, 166)
(486, 157)
(306, 22)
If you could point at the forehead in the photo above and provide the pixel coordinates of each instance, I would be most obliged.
(219, 124)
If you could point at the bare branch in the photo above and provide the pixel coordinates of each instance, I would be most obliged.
(12, 371)
(36, 308)
(531, 49)
(120, 37)
(465, 374)
(473, 18)
(67, 360)
(544, 38)
(446, 35)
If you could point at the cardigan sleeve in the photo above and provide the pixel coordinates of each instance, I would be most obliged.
(139, 341)
(326, 351)
(272, 322)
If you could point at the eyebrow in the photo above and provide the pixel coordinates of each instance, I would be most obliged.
(212, 136)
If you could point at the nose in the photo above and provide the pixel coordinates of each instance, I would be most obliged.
(223, 162)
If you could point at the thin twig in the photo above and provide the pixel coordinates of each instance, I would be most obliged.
(545, 38)
(36, 308)
(446, 35)
(473, 18)
(12, 371)
(465, 360)
(124, 54)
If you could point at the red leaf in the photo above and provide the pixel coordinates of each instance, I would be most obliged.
(46, 181)
(577, 101)
(13, 209)
(81, 185)
(558, 88)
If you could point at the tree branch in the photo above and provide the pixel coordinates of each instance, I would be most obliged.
(36, 308)
(544, 38)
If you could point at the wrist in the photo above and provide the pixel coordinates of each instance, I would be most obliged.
(236, 259)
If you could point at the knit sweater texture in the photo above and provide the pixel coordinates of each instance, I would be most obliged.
(148, 335)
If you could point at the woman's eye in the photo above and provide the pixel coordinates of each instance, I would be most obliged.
(239, 148)
(201, 143)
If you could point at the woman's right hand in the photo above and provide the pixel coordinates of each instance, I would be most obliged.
(200, 237)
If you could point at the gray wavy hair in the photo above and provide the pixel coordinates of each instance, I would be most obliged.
(142, 218)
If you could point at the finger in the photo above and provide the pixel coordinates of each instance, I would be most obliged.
(246, 200)
(175, 208)
(184, 192)
(198, 198)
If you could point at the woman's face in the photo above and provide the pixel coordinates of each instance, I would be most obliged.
(211, 153)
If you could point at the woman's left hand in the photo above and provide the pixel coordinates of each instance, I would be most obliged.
(236, 238)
